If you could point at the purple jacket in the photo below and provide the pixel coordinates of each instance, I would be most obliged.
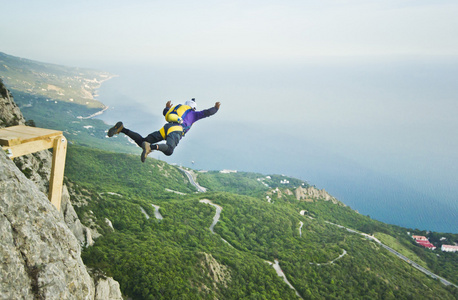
(193, 116)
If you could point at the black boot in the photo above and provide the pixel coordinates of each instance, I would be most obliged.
(115, 129)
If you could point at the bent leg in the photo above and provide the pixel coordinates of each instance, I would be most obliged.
(138, 139)
(154, 137)
(171, 142)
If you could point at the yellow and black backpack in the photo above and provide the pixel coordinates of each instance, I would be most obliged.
(177, 113)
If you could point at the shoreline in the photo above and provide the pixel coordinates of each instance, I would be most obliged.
(94, 114)
(95, 95)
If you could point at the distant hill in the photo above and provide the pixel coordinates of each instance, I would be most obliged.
(325, 249)
(53, 81)
(60, 98)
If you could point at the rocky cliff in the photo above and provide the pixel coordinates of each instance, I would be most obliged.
(312, 193)
(39, 246)
(10, 114)
(40, 255)
(308, 194)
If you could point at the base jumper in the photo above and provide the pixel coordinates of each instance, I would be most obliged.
(180, 119)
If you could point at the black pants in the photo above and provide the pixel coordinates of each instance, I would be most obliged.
(171, 140)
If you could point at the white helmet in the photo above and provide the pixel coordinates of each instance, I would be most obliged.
(191, 103)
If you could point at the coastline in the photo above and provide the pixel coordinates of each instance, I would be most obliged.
(95, 94)
(95, 114)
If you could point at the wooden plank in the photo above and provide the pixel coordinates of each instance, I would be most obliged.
(9, 140)
(30, 130)
(30, 147)
(25, 134)
(21, 140)
(57, 172)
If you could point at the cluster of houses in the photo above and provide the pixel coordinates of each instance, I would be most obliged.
(423, 241)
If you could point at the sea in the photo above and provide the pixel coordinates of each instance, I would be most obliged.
(379, 136)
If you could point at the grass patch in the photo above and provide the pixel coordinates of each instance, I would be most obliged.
(396, 245)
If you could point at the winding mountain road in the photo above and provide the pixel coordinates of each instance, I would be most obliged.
(157, 214)
(413, 264)
(215, 218)
(332, 261)
(192, 181)
(280, 273)
(217, 214)
(276, 265)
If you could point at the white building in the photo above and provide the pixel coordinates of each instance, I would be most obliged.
(449, 248)
(227, 171)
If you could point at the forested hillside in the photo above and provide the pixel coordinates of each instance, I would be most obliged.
(179, 257)
(265, 218)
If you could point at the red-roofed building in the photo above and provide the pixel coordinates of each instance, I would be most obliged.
(426, 244)
(419, 237)
(449, 248)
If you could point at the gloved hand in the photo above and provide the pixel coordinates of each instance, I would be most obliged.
(217, 105)
(168, 104)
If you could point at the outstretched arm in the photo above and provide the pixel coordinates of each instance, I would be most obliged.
(197, 115)
(211, 111)
(168, 105)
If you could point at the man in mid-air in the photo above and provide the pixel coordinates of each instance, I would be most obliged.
(180, 119)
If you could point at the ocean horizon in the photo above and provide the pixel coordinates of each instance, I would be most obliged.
(287, 144)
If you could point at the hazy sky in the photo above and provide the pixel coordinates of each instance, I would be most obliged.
(374, 83)
(85, 32)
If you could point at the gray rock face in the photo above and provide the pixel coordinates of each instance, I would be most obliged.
(71, 218)
(40, 248)
(108, 289)
(14, 278)
(37, 166)
(313, 193)
(10, 114)
(41, 258)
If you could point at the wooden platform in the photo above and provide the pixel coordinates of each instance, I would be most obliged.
(21, 140)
